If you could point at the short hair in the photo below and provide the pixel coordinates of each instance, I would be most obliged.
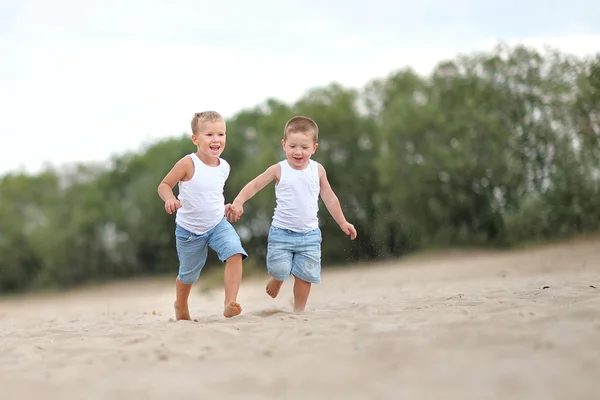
(301, 124)
(205, 116)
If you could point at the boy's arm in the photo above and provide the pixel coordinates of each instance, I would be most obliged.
(333, 205)
(256, 185)
(165, 188)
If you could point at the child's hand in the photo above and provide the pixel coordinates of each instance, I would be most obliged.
(235, 212)
(228, 214)
(348, 229)
(172, 205)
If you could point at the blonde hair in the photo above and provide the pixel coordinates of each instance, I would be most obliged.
(205, 116)
(300, 124)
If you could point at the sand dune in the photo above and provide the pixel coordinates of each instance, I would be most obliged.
(520, 325)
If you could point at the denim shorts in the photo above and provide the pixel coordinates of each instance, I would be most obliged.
(293, 253)
(192, 249)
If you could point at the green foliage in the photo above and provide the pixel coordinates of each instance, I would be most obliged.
(491, 149)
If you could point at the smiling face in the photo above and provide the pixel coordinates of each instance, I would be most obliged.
(299, 147)
(210, 140)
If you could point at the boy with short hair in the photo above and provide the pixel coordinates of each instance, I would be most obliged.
(294, 240)
(200, 214)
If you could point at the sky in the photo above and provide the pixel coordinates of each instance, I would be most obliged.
(82, 80)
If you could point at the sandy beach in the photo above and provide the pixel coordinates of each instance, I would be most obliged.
(479, 325)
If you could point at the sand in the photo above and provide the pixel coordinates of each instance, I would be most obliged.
(513, 325)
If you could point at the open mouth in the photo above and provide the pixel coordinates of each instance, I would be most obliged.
(215, 148)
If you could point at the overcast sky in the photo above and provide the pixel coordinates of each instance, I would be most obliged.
(81, 80)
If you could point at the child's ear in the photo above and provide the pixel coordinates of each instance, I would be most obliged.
(283, 143)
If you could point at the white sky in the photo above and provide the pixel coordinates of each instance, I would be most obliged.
(81, 80)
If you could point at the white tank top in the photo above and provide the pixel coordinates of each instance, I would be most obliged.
(202, 199)
(297, 197)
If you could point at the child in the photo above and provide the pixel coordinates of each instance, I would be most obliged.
(200, 214)
(294, 241)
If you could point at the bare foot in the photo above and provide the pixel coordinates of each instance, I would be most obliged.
(298, 310)
(181, 313)
(273, 287)
(232, 309)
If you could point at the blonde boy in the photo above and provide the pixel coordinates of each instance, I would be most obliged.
(200, 214)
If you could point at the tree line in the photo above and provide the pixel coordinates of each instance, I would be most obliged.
(490, 149)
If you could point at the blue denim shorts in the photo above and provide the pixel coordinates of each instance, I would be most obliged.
(293, 253)
(192, 249)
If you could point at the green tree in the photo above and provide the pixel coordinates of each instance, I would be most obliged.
(490, 149)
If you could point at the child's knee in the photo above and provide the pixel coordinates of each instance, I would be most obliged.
(279, 262)
(307, 267)
(228, 246)
(233, 253)
(190, 266)
(189, 277)
(279, 271)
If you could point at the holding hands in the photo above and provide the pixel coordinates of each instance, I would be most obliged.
(234, 212)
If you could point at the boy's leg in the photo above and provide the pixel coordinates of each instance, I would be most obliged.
(306, 267)
(192, 252)
(279, 259)
(182, 293)
(226, 242)
(301, 292)
(232, 278)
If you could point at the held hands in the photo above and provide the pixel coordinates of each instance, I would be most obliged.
(348, 229)
(172, 205)
(228, 212)
(233, 212)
